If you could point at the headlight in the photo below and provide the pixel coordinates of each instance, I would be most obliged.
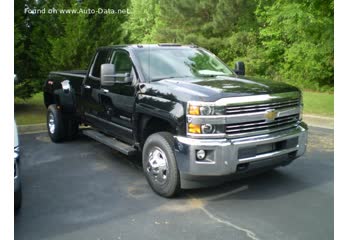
(205, 128)
(205, 109)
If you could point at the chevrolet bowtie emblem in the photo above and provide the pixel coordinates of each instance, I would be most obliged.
(271, 115)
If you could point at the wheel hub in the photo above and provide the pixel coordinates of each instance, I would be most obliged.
(157, 165)
(51, 123)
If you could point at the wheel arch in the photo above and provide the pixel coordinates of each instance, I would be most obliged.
(149, 124)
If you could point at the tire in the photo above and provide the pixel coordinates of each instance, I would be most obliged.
(71, 127)
(60, 126)
(159, 164)
(18, 198)
(55, 124)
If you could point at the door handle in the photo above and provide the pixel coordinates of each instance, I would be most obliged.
(87, 86)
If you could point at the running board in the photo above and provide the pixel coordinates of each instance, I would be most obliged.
(110, 142)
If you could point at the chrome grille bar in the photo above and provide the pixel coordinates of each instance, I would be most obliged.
(261, 107)
(260, 125)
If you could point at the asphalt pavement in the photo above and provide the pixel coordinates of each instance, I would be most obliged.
(84, 190)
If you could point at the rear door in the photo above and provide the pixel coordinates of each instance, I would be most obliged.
(118, 100)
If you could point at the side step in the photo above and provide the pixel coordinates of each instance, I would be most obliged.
(110, 142)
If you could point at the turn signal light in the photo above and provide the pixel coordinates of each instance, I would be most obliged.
(193, 110)
(194, 128)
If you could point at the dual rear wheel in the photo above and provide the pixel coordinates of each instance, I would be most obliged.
(61, 126)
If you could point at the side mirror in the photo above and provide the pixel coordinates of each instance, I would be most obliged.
(123, 78)
(107, 74)
(239, 68)
(109, 77)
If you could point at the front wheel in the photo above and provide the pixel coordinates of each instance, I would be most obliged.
(159, 164)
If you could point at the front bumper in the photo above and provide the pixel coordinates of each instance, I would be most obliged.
(227, 157)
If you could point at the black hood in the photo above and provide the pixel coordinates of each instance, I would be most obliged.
(214, 88)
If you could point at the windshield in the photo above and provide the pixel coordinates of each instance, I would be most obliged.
(157, 64)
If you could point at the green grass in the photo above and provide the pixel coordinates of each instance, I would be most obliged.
(319, 103)
(31, 111)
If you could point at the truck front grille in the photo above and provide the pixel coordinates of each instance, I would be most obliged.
(231, 110)
(262, 125)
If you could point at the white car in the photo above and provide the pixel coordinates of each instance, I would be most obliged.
(17, 180)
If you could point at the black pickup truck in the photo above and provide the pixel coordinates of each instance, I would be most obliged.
(195, 121)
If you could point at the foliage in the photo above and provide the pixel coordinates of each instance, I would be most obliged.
(47, 42)
(283, 40)
(289, 41)
(297, 37)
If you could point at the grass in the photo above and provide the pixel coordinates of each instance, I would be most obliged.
(33, 111)
(319, 103)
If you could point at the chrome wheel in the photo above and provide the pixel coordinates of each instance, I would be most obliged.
(157, 165)
(51, 123)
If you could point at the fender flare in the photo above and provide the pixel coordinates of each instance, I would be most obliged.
(65, 97)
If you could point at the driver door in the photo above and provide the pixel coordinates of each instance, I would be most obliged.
(118, 100)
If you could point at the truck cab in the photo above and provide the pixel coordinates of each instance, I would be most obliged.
(195, 121)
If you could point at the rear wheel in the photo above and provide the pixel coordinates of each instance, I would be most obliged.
(159, 164)
(55, 126)
(60, 126)
(72, 128)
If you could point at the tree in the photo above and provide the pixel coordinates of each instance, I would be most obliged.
(297, 37)
(25, 65)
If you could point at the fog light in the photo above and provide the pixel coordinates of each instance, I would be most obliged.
(200, 154)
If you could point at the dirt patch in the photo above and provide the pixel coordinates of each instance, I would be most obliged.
(138, 189)
(182, 206)
(43, 138)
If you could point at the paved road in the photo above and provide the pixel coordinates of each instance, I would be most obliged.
(84, 190)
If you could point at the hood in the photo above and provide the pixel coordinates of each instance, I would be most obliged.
(214, 88)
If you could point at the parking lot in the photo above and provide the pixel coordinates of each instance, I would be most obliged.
(84, 190)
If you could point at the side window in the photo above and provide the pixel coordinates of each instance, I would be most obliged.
(103, 56)
(122, 62)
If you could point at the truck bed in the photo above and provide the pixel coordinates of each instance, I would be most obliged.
(75, 77)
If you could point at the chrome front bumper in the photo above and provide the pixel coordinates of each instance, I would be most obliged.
(231, 156)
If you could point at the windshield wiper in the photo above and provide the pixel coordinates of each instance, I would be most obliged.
(216, 75)
(163, 78)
